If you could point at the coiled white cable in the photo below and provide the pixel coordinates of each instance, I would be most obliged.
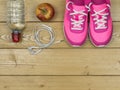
(37, 30)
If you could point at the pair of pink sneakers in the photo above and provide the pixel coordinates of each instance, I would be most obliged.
(76, 23)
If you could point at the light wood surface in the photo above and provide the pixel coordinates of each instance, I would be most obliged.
(60, 62)
(59, 83)
(59, 67)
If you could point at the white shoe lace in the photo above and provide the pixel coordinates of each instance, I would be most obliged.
(100, 22)
(77, 24)
(88, 6)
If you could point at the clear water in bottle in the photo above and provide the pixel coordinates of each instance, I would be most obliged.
(16, 18)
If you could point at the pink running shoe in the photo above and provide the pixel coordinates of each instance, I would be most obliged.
(100, 22)
(76, 22)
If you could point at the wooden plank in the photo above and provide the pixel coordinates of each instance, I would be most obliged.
(59, 83)
(60, 62)
(60, 42)
(59, 6)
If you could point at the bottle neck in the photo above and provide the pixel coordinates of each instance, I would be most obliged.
(16, 35)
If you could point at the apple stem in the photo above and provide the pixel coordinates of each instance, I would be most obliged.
(44, 11)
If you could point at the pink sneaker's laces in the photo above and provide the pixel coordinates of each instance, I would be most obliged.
(77, 24)
(100, 23)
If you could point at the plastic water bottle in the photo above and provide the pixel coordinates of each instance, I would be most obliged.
(16, 18)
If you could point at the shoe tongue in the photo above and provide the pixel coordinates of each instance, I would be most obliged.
(78, 8)
(99, 7)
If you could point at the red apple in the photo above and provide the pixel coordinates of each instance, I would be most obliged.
(45, 12)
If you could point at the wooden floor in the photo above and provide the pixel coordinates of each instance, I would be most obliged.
(59, 67)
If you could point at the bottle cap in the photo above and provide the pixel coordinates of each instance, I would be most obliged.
(16, 34)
